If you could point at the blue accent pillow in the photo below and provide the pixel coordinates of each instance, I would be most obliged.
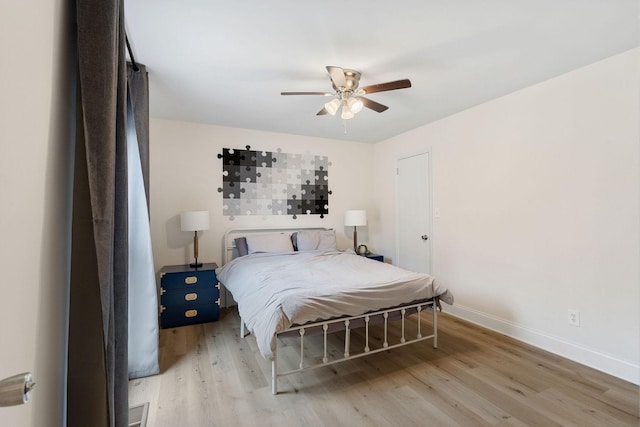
(241, 246)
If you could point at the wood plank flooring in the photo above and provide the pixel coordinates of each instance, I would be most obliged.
(211, 377)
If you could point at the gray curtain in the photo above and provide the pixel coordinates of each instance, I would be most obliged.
(138, 85)
(97, 393)
(143, 303)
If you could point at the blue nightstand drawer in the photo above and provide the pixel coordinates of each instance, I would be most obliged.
(202, 295)
(190, 278)
(173, 316)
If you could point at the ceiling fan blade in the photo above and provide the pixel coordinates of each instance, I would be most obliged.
(322, 112)
(375, 106)
(308, 93)
(337, 76)
(398, 84)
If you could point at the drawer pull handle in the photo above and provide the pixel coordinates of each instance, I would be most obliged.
(191, 280)
(191, 313)
(191, 297)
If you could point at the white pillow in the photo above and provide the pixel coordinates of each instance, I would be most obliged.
(274, 242)
(313, 240)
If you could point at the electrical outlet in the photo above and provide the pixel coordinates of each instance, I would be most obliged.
(574, 317)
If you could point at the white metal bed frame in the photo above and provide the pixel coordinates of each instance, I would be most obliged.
(346, 324)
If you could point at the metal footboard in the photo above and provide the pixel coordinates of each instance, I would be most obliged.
(347, 324)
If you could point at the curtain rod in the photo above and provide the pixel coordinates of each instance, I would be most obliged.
(133, 60)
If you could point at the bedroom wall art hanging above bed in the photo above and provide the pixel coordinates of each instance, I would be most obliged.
(273, 183)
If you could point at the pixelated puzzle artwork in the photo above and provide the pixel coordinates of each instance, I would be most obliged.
(273, 183)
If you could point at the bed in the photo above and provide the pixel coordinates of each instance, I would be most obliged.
(297, 283)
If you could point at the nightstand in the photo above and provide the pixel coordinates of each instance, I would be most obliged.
(188, 295)
(375, 257)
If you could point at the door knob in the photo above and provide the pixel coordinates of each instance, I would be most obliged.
(424, 237)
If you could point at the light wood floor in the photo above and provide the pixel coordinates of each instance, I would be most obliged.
(211, 377)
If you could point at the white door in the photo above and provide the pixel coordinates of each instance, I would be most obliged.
(413, 213)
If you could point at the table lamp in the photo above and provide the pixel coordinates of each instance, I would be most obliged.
(194, 221)
(354, 219)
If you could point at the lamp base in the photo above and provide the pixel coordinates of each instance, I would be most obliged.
(195, 264)
(355, 239)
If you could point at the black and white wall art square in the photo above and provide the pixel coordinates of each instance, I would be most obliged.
(274, 183)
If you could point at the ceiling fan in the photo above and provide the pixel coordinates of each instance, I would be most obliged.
(349, 96)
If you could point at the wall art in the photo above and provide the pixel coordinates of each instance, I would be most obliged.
(273, 183)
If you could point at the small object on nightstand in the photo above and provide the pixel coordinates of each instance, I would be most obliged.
(188, 295)
(376, 257)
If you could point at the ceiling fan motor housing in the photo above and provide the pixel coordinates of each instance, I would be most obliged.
(352, 80)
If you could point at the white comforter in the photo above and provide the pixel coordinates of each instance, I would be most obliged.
(275, 291)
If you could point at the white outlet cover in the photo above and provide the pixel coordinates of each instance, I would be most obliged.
(573, 317)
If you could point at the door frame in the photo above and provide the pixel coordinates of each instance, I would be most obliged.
(427, 151)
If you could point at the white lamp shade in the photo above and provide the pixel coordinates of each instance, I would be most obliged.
(194, 220)
(332, 106)
(355, 105)
(355, 218)
(346, 113)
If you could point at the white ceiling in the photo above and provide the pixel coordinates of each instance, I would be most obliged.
(226, 62)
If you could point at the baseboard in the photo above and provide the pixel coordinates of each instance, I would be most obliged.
(573, 351)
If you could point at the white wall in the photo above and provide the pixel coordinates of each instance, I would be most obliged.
(34, 183)
(539, 199)
(186, 173)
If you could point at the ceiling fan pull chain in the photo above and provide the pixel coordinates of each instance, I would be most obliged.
(345, 126)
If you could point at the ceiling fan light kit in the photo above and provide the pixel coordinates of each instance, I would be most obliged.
(349, 96)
